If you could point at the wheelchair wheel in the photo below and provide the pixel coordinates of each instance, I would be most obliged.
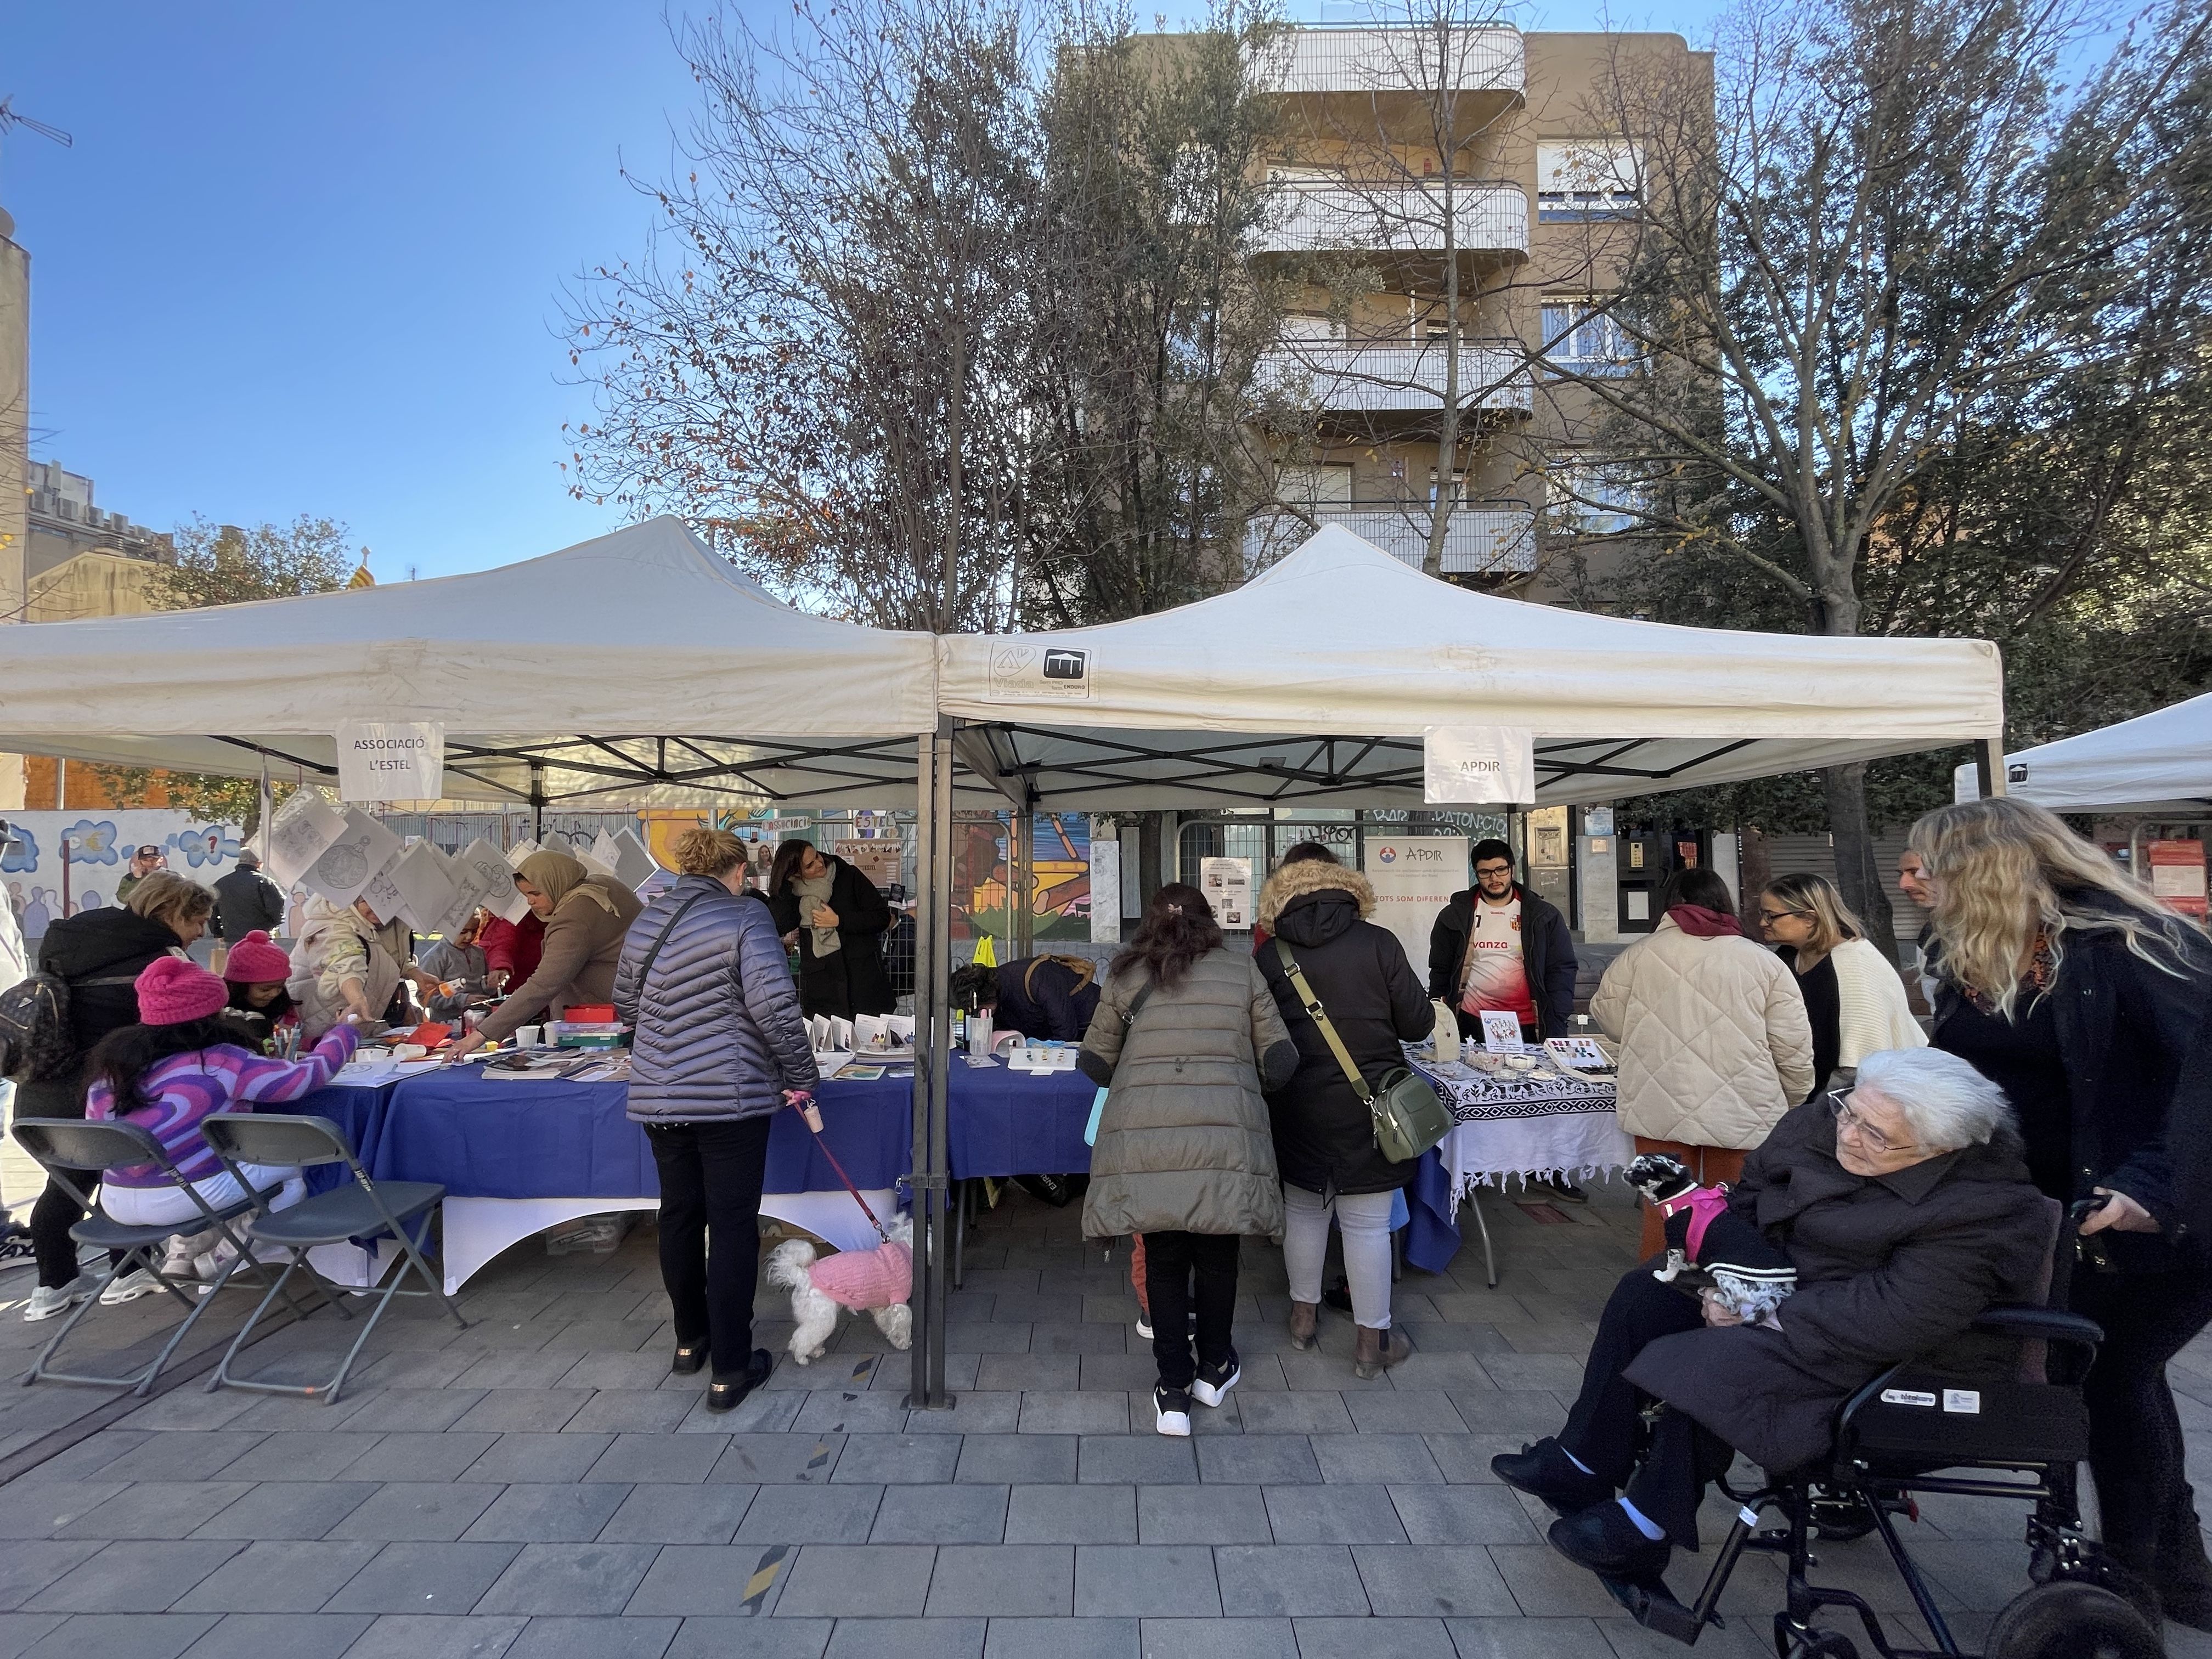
(2068, 1619)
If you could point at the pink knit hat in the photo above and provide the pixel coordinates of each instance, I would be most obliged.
(171, 991)
(255, 961)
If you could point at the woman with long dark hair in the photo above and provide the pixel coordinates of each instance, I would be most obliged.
(1186, 1038)
(840, 919)
(2081, 995)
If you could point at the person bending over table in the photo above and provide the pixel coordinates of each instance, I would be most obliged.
(840, 919)
(585, 918)
(1906, 1206)
(720, 1040)
(350, 961)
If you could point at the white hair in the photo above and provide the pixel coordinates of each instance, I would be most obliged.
(1943, 1100)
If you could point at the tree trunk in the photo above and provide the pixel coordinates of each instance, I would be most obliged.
(1758, 870)
(1858, 875)
(1150, 877)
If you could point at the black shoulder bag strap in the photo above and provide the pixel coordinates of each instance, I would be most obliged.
(645, 968)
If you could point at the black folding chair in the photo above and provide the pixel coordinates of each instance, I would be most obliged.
(366, 1211)
(66, 1148)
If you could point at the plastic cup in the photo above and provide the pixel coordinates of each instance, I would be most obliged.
(527, 1037)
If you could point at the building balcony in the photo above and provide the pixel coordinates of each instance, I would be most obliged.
(1333, 377)
(1484, 538)
(1488, 221)
(1384, 61)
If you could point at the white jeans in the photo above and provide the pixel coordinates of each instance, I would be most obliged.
(156, 1206)
(1365, 1218)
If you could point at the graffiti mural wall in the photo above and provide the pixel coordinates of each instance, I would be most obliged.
(63, 863)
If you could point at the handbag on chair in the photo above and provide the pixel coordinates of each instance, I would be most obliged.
(1408, 1114)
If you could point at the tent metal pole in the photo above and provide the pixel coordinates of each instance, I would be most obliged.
(1021, 855)
(1989, 766)
(933, 1010)
(537, 800)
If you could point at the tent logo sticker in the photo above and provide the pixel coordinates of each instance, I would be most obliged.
(1020, 671)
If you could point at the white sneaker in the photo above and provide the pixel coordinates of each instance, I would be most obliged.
(129, 1288)
(176, 1262)
(45, 1302)
(1172, 1411)
(1145, 1328)
(1211, 1389)
(209, 1266)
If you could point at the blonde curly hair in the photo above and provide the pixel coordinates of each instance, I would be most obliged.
(704, 851)
(2002, 870)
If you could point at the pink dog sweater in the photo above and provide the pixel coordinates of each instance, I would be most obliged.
(864, 1279)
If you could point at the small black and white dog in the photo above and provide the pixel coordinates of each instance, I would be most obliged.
(1748, 1275)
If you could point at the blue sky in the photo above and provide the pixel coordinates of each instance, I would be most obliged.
(307, 257)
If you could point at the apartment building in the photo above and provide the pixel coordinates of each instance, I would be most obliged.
(1451, 216)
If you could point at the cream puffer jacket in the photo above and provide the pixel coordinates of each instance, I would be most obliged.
(1715, 1046)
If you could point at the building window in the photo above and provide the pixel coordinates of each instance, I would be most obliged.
(1584, 340)
(1313, 487)
(1595, 498)
(1586, 178)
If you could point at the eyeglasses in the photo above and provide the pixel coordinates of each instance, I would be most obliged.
(1493, 869)
(1850, 1119)
(1766, 915)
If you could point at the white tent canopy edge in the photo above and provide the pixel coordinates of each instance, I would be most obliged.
(2159, 763)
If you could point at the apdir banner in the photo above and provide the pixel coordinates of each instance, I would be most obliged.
(391, 759)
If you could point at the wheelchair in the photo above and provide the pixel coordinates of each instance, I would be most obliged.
(1892, 1438)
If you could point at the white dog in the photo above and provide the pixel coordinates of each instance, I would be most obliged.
(819, 1290)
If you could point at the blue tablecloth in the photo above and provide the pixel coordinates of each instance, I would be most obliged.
(1005, 1122)
(542, 1139)
(358, 1112)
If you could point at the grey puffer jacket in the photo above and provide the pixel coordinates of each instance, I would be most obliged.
(720, 1035)
(1184, 1144)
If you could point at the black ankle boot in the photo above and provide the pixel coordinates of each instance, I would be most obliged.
(1544, 1470)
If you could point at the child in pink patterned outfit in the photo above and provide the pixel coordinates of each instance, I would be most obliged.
(181, 1063)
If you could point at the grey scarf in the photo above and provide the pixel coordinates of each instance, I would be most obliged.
(813, 890)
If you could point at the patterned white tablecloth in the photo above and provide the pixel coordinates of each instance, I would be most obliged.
(1526, 1124)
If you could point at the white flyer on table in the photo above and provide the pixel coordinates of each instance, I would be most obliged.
(426, 892)
(391, 759)
(348, 864)
(301, 833)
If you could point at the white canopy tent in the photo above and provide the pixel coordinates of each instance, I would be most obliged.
(2159, 764)
(636, 669)
(1312, 684)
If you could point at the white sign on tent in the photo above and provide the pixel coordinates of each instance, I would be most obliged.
(391, 759)
(1478, 765)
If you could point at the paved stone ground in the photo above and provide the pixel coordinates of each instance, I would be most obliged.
(539, 1484)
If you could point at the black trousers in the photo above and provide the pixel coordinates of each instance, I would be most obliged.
(710, 1196)
(2136, 1449)
(1665, 1470)
(1182, 1270)
(56, 1212)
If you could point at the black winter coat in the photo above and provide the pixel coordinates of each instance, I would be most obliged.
(2141, 1106)
(1547, 951)
(1043, 997)
(100, 953)
(852, 978)
(1324, 1136)
(1889, 1267)
(245, 900)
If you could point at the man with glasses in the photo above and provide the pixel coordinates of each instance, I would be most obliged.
(1498, 947)
(144, 863)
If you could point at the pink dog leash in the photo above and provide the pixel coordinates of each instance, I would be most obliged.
(810, 1113)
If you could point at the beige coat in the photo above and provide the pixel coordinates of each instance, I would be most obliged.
(336, 945)
(1184, 1144)
(1715, 1046)
(583, 942)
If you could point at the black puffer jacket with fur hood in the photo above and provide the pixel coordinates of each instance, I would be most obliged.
(1324, 1138)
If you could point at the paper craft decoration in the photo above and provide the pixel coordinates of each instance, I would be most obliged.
(1501, 1031)
(590, 857)
(426, 892)
(348, 865)
(391, 759)
(634, 862)
(521, 850)
(300, 834)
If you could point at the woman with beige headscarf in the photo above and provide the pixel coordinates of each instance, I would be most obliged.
(587, 917)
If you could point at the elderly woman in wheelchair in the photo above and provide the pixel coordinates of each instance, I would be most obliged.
(1906, 1209)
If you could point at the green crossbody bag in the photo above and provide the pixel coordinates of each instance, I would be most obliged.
(1409, 1115)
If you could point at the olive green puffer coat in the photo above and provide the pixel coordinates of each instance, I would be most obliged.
(1184, 1143)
